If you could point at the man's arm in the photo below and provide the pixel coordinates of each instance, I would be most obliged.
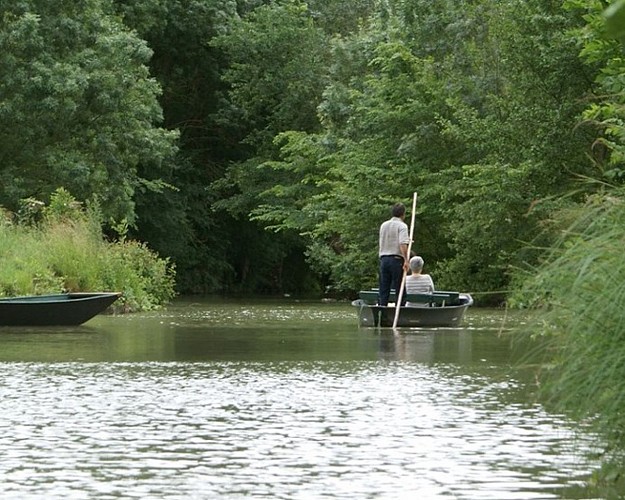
(404, 251)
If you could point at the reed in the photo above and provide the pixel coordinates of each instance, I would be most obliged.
(578, 294)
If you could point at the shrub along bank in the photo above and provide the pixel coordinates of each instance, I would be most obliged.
(61, 247)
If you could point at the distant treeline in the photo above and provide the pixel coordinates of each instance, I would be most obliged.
(259, 144)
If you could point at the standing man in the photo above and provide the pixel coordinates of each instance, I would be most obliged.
(393, 252)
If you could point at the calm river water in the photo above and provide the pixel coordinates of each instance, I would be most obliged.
(277, 399)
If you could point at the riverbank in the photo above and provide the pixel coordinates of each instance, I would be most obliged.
(61, 248)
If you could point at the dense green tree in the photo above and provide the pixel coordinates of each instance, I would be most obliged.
(180, 223)
(474, 105)
(602, 48)
(382, 134)
(207, 231)
(78, 108)
(526, 136)
(276, 73)
(277, 59)
(310, 119)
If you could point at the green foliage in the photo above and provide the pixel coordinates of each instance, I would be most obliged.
(579, 295)
(615, 20)
(78, 106)
(23, 271)
(603, 48)
(277, 59)
(147, 281)
(63, 207)
(359, 167)
(180, 222)
(310, 119)
(65, 252)
(524, 133)
(459, 101)
(276, 72)
(30, 211)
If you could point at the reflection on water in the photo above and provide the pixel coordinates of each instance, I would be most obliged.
(276, 400)
(201, 331)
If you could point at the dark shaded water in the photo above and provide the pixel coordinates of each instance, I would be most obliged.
(227, 399)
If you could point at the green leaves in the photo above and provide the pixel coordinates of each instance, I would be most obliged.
(78, 106)
(277, 70)
(603, 46)
(615, 20)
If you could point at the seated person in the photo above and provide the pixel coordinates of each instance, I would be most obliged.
(417, 282)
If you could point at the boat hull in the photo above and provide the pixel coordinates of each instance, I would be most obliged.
(436, 316)
(54, 310)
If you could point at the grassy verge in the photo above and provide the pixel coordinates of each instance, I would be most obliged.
(579, 298)
(64, 250)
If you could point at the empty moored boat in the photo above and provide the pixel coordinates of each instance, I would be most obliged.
(56, 309)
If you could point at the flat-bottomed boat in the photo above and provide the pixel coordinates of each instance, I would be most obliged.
(61, 309)
(430, 310)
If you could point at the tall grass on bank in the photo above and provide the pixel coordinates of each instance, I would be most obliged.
(579, 296)
(66, 251)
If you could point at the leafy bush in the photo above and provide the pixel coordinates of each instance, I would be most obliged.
(148, 284)
(66, 251)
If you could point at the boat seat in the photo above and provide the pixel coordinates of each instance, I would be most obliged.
(438, 298)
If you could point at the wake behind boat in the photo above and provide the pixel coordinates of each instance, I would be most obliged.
(62, 309)
(433, 310)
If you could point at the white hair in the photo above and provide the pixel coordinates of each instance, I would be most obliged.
(416, 263)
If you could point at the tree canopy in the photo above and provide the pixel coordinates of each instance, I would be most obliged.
(259, 143)
(78, 107)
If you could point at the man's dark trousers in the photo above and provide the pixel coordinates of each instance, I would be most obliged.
(391, 274)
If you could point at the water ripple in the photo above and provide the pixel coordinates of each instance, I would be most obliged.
(281, 430)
